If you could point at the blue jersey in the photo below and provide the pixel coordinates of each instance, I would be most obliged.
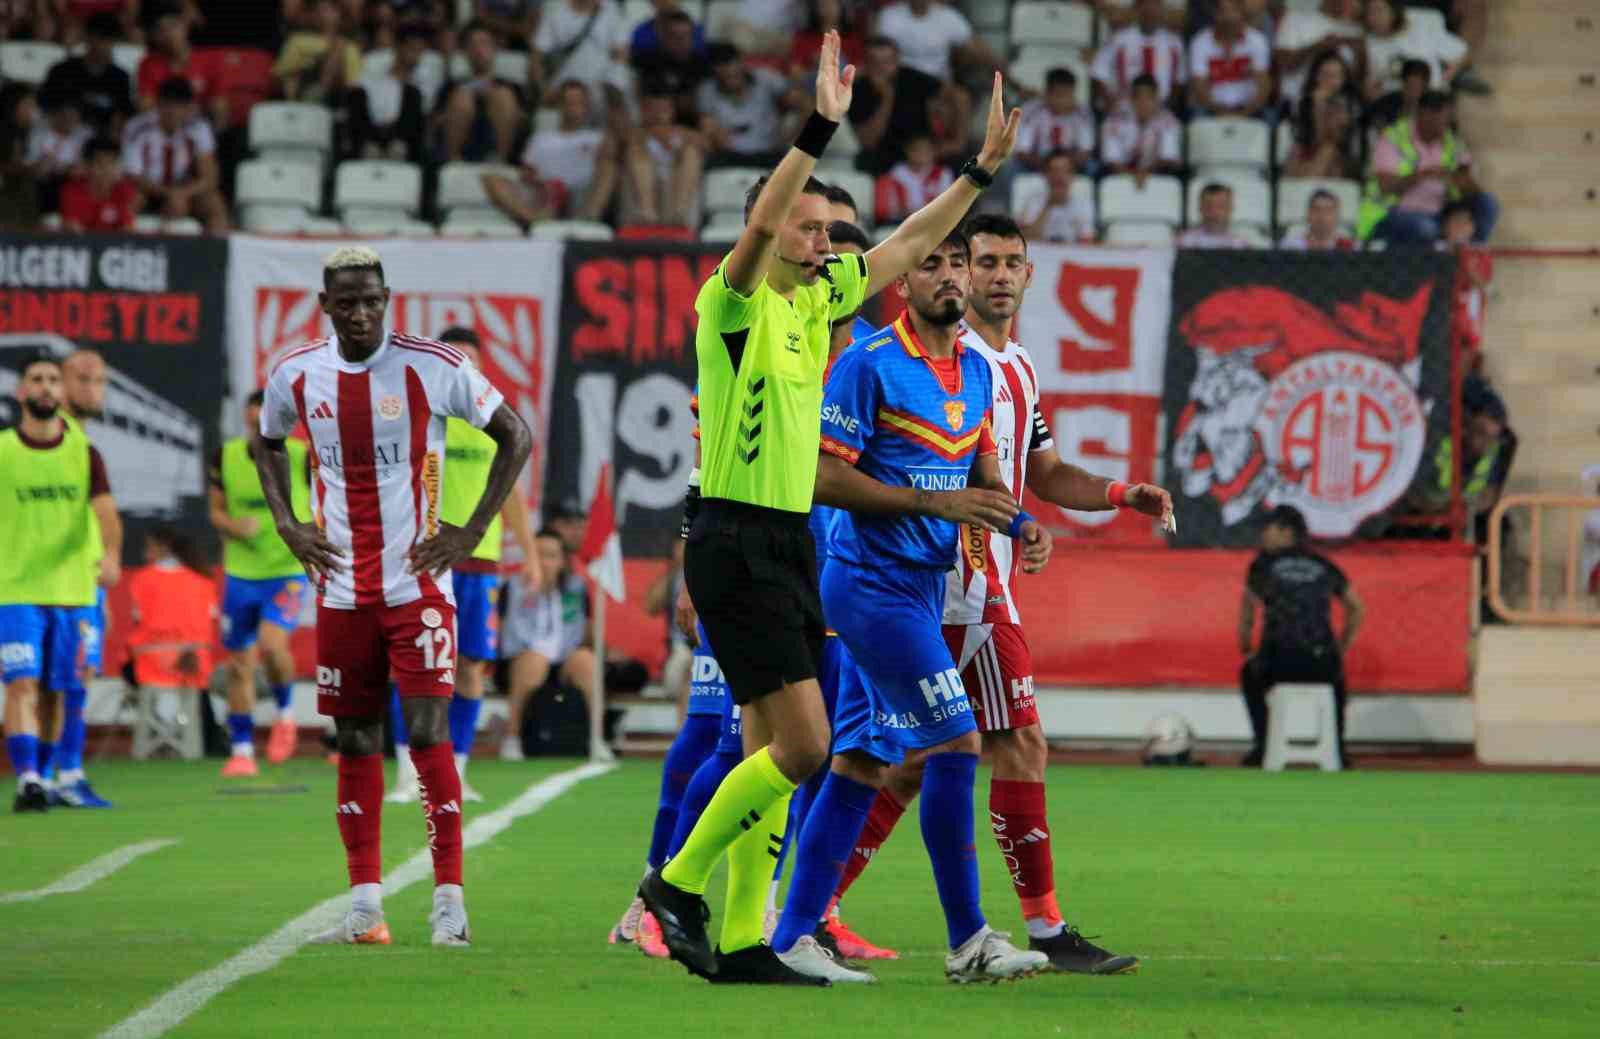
(889, 412)
(822, 515)
(707, 687)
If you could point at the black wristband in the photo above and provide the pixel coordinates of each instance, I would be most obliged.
(815, 135)
(980, 177)
(691, 508)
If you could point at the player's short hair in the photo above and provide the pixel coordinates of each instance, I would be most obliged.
(256, 399)
(1215, 187)
(102, 145)
(998, 224)
(813, 186)
(1416, 67)
(351, 258)
(175, 88)
(848, 233)
(1060, 76)
(838, 196)
(1434, 101)
(460, 334)
(1320, 194)
(1145, 80)
(36, 358)
(1289, 517)
(958, 241)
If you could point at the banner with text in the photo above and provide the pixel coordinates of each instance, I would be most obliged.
(152, 307)
(1095, 322)
(1316, 380)
(624, 381)
(504, 291)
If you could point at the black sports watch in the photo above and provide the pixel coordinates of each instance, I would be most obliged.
(979, 176)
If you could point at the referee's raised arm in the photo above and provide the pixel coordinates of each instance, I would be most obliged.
(748, 262)
(923, 230)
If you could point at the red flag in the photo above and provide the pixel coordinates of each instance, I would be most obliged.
(600, 555)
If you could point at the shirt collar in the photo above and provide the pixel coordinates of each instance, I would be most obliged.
(912, 343)
(362, 366)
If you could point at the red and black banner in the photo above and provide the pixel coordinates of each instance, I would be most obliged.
(1318, 380)
(624, 380)
(153, 308)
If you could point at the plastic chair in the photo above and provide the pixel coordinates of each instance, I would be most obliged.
(1051, 24)
(1322, 749)
(1230, 141)
(1160, 201)
(378, 184)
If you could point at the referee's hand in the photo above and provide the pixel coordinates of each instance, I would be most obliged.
(992, 510)
(835, 86)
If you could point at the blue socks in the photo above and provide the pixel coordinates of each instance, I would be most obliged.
(947, 831)
(832, 826)
(283, 696)
(46, 750)
(698, 793)
(397, 719)
(241, 730)
(463, 721)
(74, 732)
(695, 741)
(24, 754)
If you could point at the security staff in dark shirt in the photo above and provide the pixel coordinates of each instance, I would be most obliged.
(1296, 588)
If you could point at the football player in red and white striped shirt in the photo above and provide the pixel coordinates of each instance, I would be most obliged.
(374, 405)
(982, 624)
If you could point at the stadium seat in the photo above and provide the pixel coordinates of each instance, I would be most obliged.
(285, 129)
(480, 223)
(1051, 23)
(461, 184)
(861, 188)
(1161, 201)
(1032, 64)
(573, 230)
(386, 222)
(986, 14)
(430, 69)
(153, 224)
(1029, 188)
(844, 145)
(512, 66)
(636, 11)
(266, 182)
(1426, 21)
(722, 230)
(1294, 193)
(25, 61)
(272, 218)
(1283, 142)
(723, 190)
(126, 56)
(378, 184)
(1290, 703)
(719, 18)
(1229, 141)
(1252, 196)
(1138, 232)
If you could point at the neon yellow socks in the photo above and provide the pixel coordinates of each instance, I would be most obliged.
(755, 790)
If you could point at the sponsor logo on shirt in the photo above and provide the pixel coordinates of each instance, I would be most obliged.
(329, 679)
(389, 407)
(937, 478)
(955, 412)
(431, 617)
(335, 456)
(834, 415)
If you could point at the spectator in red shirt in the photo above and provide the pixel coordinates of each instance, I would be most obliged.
(171, 55)
(1457, 229)
(101, 199)
(826, 16)
(911, 183)
(1322, 229)
(1230, 65)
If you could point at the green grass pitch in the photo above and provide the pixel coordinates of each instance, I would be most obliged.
(1299, 905)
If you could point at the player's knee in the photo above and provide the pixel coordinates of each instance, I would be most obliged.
(861, 768)
(359, 737)
(427, 720)
(967, 743)
(904, 781)
(803, 753)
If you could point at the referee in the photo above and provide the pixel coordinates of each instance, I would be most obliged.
(1296, 588)
(762, 346)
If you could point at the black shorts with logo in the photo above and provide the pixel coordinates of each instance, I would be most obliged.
(752, 573)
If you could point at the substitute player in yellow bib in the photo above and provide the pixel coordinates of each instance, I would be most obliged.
(263, 592)
(762, 345)
(468, 454)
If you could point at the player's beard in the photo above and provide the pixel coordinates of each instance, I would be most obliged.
(943, 312)
(40, 410)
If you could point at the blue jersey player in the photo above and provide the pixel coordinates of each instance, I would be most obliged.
(908, 453)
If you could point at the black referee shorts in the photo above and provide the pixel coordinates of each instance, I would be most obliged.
(752, 573)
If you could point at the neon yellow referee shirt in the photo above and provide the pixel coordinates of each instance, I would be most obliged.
(762, 358)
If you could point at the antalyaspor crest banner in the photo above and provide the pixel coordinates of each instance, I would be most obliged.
(1320, 381)
(507, 292)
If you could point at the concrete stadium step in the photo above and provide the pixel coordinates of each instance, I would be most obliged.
(1563, 367)
(1534, 697)
(1530, 221)
(1531, 280)
(1551, 31)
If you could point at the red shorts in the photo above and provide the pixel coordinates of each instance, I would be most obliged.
(358, 651)
(997, 671)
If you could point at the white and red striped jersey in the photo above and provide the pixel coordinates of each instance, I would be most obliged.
(1132, 53)
(979, 588)
(1043, 132)
(150, 153)
(377, 447)
(902, 191)
(1230, 68)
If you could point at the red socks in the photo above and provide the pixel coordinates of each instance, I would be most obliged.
(1016, 814)
(360, 816)
(440, 784)
(885, 812)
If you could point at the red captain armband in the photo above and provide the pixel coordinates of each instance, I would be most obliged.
(1116, 494)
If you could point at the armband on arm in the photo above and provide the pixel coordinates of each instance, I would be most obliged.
(1116, 494)
(1016, 524)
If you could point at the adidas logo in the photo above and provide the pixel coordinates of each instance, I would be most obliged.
(449, 806)
(322, 411)
(350, 808)
(1033, 836)
(448, 678)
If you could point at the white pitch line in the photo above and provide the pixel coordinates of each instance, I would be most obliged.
(1145, 957)
(172, 1008)
(91, 873)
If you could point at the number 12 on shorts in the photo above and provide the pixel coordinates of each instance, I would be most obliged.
(437, 645)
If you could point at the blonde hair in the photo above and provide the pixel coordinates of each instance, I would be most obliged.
(351, 258)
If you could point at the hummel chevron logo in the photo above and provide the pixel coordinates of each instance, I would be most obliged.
(350, 808)
(753, 409)
(747, 456)
(322, 411)
(757, 386)
(749, 432)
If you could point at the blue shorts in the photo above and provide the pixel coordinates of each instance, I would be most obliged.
(835, 660)
(732, 739)
(477, 620)
(40, 642)
(904, 692)
(708, 689)
(91, 624)
(247, 604)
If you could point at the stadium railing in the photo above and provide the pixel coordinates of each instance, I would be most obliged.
(1576, 604)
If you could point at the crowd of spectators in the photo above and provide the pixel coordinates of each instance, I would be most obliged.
(614, 119)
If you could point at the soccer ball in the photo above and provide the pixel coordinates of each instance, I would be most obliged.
(1168, 740)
